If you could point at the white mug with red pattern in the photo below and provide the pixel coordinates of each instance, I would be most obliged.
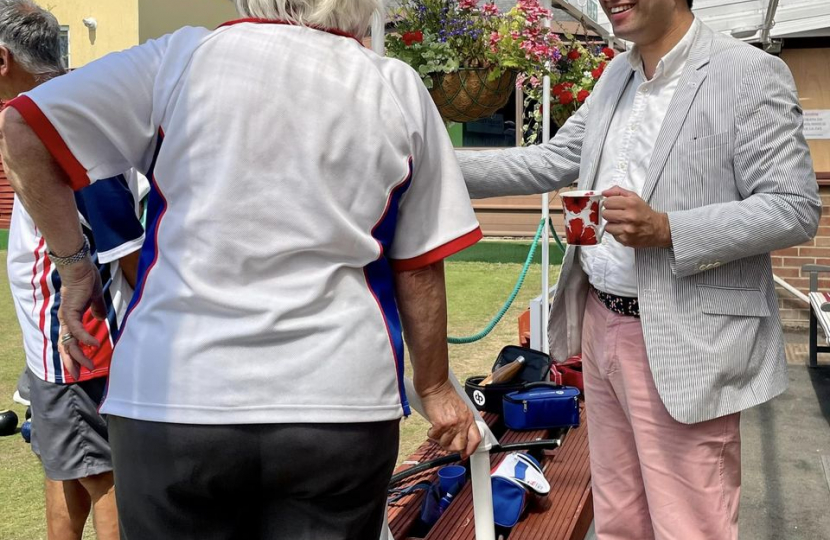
(583, 215)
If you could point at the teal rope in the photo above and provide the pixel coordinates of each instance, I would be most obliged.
(556, 237)
(492, 324)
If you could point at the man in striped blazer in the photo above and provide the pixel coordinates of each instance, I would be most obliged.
(695, 139)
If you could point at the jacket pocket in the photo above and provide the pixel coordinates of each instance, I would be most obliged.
(704, 143)
(732, 301)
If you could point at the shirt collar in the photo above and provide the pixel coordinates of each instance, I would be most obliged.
(335, 31)
(674, 60)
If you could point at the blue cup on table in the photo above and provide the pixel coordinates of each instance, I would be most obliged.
(450, 481)
(451, 478)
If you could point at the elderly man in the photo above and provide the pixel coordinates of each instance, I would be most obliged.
(695, 139)
(68, 434)
(256, 388)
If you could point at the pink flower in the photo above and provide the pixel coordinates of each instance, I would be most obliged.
(520, 80)
(531, 33)
(532, 11)
(542, 51)
(467, 4)
(495, 37)
(490, 9)
(534, 81)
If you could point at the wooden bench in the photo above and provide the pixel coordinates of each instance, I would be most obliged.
(819, 312)
(566, 514)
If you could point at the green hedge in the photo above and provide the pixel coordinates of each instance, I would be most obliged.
(494, 251)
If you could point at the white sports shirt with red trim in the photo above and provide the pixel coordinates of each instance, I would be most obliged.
(109, 217)
(291, 171)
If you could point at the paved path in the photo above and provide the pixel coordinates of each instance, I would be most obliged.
(786, 452)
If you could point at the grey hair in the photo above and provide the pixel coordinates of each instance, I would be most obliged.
(352, 16)
(32, 35)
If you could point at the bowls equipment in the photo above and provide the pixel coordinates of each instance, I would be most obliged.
(8, 423)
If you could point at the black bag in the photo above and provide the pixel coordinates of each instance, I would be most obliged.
(489, 398)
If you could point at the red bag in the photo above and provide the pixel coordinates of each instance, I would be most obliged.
(571, 372)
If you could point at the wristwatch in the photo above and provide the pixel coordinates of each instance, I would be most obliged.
(78, 256)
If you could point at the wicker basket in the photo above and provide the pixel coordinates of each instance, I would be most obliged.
(466, 95)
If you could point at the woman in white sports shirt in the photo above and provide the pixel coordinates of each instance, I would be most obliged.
(304, 195)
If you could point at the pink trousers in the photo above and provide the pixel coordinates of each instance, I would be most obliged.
(653, 477)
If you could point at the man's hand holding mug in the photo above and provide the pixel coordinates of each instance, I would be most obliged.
(632, 222)
(627, 217)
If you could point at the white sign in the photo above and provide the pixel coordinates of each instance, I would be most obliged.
(817, 124)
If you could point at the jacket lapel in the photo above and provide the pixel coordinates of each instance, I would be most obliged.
(693, 76)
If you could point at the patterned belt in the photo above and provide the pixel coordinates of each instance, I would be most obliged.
(621, 305)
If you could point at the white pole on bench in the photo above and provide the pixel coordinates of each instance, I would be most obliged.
(479, 464)
(546, 211)
(480, 460)
(482, 494)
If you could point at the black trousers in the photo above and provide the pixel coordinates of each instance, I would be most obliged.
(250, 482)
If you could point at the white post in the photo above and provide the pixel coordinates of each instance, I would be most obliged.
(545, 212)
(546, 229)
(479, 463)
(379, 30)
(485, 528)
(482, 494)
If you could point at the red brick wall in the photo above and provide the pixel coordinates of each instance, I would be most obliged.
(787, 263)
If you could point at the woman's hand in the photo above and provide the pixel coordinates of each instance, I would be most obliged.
(80, 290)
(453, 426)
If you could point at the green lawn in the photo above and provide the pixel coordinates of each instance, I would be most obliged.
(476, 291)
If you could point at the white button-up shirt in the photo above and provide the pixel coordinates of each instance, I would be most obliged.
(627, 154)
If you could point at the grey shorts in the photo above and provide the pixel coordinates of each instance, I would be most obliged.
(68, 434)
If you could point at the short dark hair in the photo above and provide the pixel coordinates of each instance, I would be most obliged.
(690, 3)
(32, 34)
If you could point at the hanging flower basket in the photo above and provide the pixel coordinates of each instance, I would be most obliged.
(467, 95)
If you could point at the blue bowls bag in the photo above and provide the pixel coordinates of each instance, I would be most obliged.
(509, 501)
(541, 405)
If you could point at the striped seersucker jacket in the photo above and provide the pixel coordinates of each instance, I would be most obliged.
(732, 169)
